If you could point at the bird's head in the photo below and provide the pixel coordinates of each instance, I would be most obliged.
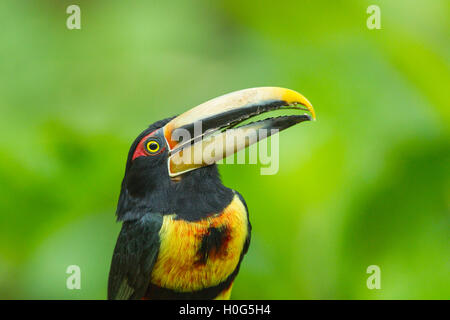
(173, 161)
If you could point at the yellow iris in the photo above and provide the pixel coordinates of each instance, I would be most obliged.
(152, 146)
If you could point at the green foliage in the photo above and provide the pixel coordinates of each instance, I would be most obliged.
(368, 183)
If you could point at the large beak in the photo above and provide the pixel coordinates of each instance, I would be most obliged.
(208, 133)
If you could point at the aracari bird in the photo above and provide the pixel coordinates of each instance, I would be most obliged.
(184, 234)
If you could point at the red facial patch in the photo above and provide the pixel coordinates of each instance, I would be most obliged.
(141, 150)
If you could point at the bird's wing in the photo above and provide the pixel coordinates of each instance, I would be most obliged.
(134, 256)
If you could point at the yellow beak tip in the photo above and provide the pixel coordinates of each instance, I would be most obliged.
(309, 106)
(313, 113)
(292, 96)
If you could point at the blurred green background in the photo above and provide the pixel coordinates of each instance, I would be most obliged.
(367, 184)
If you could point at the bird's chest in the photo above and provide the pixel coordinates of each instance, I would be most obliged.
(200, 254)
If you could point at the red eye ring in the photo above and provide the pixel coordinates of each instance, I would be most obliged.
(142, 150)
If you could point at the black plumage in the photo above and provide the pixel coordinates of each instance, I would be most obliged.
(147, 194)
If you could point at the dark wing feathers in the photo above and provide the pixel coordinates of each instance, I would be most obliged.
(134, 256)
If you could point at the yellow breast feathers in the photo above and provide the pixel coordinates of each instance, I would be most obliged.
(200, 254)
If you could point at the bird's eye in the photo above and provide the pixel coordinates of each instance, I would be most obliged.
(152, 146)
